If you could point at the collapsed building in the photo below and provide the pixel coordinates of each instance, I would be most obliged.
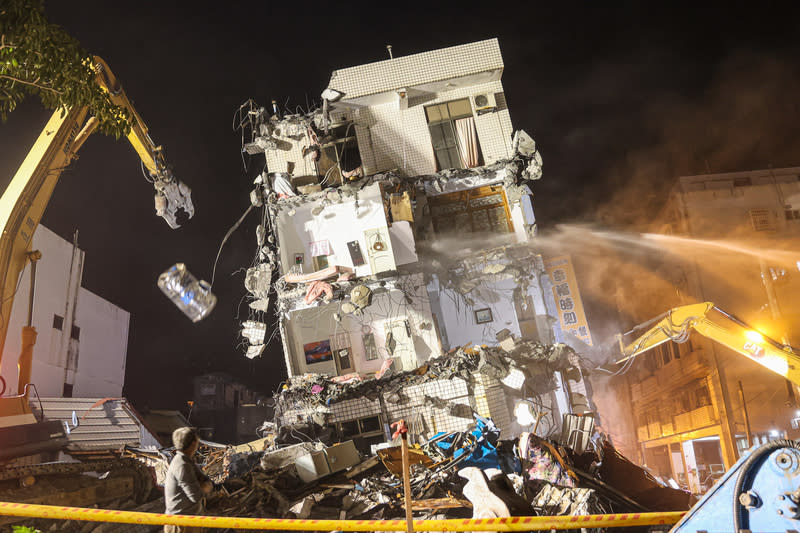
(397, 228)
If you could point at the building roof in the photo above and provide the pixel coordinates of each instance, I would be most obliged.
(103, 423)
(164, 422)
(418, 69)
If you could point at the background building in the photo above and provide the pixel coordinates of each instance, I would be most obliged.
(225, 410)
(82, 341)
(691, 403)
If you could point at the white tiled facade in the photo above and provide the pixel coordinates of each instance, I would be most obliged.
(418, 69)
(391, 137)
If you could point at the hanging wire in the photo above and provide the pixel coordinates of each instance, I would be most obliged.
(225, 239)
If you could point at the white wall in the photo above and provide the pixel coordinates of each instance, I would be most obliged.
(391, 138)
(104, 327)
(457, 317)
(318, 323)
(338, 222)
(103, 347)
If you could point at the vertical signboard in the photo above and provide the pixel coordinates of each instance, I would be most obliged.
(568, 297)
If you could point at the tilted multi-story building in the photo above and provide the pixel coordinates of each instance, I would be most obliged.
(399, 219)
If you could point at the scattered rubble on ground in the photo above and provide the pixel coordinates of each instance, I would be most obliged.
(292, 473)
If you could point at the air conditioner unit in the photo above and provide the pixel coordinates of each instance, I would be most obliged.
(484, 103)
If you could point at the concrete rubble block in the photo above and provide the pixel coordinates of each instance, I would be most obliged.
(317, 464)
(262, 304)
(253, 331)
(302, 509)
(258, 280)
(254, 351)
(285, 456)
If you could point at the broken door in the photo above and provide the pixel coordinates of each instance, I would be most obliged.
(379, 250)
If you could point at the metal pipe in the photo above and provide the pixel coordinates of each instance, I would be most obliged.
(746, 416)
(32, 291)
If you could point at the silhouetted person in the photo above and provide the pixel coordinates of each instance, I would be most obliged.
(185, 485)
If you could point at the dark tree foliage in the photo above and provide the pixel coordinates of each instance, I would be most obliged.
(41, 59)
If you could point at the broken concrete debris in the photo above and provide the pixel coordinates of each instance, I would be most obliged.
(453, 475)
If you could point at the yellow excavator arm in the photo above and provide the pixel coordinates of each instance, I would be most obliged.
(25, 199)
(722, 327)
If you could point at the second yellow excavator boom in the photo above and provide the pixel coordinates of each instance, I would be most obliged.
(722, 327)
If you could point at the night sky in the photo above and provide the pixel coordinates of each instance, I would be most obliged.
(620, 97)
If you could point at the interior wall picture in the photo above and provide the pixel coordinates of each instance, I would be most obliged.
(299, 259)
(318, 352)
(482, 316)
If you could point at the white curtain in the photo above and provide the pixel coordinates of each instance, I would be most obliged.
(467, 140)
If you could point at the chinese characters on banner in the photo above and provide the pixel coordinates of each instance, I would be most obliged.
(568, 297)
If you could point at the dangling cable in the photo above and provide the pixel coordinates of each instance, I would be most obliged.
(224, 239)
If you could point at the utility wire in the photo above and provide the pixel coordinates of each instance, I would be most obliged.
(224, 240)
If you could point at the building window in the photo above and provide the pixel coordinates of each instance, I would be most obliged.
(761, 219)
(479, 210)
(792, 214)
(58, 322)
(453, 134)
(702, 395)
(340, 159)
(667, 352)
(370, 426)
(75, 333)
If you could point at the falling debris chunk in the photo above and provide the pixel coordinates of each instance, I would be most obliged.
(191, 296)
(255, 332)
(254, 351)
(258, 280)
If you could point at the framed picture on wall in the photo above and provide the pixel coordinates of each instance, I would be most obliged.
(482, 316)
(299, 259)
(318, 352)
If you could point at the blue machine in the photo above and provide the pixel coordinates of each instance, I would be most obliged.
(761, 492)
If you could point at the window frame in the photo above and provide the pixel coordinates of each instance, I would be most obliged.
(448, 125)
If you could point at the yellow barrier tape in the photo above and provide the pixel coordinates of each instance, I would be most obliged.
(519, 523)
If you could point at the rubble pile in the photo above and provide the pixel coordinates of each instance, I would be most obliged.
(323, 390)
(453, 475)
